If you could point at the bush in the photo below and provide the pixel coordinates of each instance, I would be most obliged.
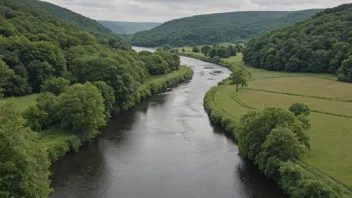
(36, 119)
(55, 85)
(81, 108)
(299, 109)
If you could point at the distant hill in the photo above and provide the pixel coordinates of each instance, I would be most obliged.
(102, 33)
(128, 27)
(222, 27)
(321, 44)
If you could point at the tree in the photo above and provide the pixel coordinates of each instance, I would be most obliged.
(38, 73)
(108, 94)
(24, 165)
(205, 49)
(12, 84)
(345, 71)
(167, 47)
(36, 119)
(239, 77)
(283, 144)
(55, 85)
(299, 109)
(195, 49)
(81, 108)
(183, 50)
(254, 128)
(47, 102)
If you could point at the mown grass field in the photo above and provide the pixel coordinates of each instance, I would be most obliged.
(331, 119)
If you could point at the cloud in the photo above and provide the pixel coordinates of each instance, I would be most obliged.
(164, 10)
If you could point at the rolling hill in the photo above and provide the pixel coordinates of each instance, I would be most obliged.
(215, 28)
(321, 44)
(128, 27)
(102, 33)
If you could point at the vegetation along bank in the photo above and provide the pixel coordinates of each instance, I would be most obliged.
(325, 167)
(61, 81)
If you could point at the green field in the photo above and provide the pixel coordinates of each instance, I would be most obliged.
(331, 119)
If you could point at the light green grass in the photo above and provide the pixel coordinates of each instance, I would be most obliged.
(260, 99)
(23, 102)
(303, 85)
(331, 136)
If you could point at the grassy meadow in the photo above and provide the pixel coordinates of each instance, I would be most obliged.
(331, 117)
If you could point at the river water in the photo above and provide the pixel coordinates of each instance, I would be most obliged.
(165, 147)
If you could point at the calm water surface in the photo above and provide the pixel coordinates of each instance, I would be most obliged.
(163, 148)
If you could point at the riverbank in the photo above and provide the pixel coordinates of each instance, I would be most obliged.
(330, 118)
(57, 142)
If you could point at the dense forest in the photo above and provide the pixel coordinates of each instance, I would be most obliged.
(216, 28)
(119, 27)
(102, 33)
(81, 82)
(321, 44)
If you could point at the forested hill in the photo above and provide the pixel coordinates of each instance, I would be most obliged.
(102, 33)
(215, 28)
(322, 44)
(128, 27)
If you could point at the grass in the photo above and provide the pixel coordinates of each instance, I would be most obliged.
(331, 135)
(23, 102)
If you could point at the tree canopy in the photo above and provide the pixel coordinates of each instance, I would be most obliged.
(216, 28)
(321, 44)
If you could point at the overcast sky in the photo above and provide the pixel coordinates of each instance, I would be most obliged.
(165, 10)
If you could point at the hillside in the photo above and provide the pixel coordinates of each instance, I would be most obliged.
(216, 28)
(321, 44)
(128, 27)
(102, 33)
(81, 82)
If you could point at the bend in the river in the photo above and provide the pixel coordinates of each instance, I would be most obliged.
(164, 147)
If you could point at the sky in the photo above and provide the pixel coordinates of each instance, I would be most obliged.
(165, 10)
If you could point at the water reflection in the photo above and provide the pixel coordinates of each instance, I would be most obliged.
(164, 147)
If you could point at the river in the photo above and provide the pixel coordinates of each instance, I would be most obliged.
(164, 147)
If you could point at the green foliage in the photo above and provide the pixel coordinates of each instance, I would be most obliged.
(10, 83)
(255, 127)
(239, 77)
(217, 28)
(36, 119)
(345, 71)
(297, 182)
(55, 85)
(47, 102)
(205, 49)
(24, 166)
(299, 109)
(320, 44)
(108, 95)
(103, 34)
(81, 108)
(38, 73)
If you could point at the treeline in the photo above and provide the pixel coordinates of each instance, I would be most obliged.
(235, 27)
(321, 44)
(82, 83)
(219, 51)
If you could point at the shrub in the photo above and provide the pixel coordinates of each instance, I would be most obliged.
(299, 109)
